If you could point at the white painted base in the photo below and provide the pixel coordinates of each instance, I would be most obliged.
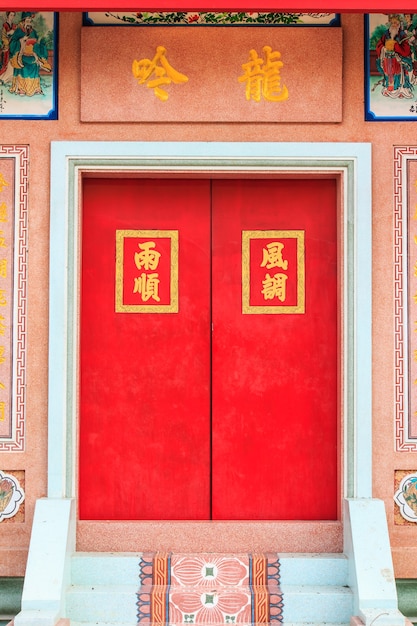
(48, 568)
(371, 572)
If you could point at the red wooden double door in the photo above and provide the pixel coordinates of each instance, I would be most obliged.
(207, 412)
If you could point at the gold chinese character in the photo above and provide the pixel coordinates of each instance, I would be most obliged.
(2, 357)
(3, 182)
(272, 256)
(148, 259)
(3, 300)
(148, 286)
(274, 287)
(164, 73)
(3, 268)
(415, 213)
(2, 240)
(3, 212)
(2, 411)
(263, 78)
(2, 325)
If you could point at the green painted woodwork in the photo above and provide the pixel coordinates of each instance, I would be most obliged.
(10, 598)
(407, 597)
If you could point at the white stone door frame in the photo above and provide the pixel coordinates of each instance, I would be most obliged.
(350, 163)
(366, 540)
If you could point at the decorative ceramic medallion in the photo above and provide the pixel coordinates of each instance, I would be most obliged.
(11, 496)
(406, 497)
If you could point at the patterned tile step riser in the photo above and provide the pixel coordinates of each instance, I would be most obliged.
(209, 589)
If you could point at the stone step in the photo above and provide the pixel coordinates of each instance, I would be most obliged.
(105, 603)
(251, 624)
(101, 568)
(105, 587)
(113, 568)
(310, 603)
(117, 603)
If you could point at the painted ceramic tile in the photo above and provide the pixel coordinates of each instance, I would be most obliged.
(28, 65)
(207, 18)
(406, 497)
(209, 589)
(204, 571)
(391, 67)
(11, 495)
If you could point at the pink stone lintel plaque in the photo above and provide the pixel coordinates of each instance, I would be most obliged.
(211, 58)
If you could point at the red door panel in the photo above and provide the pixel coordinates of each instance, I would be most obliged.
(145, 377)
(274, 375)
(150, 383)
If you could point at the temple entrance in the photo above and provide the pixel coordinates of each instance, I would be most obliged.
(209, 349)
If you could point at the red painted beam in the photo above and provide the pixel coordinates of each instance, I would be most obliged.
(278, 6)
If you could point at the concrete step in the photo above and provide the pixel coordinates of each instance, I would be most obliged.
(302, 603)
(310, 603)
(105, 586)
(317, 569)
(102, 603)
(151, 624)
(113, 568)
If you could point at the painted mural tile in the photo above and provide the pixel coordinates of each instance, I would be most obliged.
(391, 67)
(28, 65)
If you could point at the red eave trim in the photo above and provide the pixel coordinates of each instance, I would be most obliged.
(287, 6)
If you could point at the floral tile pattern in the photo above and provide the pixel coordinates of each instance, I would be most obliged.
(209, 589)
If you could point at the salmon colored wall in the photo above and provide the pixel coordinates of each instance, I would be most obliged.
(14, 537)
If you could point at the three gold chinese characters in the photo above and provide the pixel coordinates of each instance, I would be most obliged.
(164, 74)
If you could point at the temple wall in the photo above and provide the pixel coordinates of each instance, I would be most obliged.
(15, 532)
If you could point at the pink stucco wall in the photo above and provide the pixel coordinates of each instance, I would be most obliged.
(14, 536)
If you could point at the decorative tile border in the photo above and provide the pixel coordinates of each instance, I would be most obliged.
(405, 165)
(197, 18)
(14, 159)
